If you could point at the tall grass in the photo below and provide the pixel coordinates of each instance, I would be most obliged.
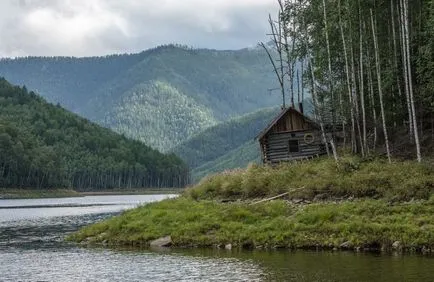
(353, 177)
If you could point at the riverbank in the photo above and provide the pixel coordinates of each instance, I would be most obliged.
(360, 205)
(145, 191)
(6, 193)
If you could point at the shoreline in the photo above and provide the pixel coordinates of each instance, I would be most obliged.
(361, 225)
(145, 191)
(11, 194)
(360, 205)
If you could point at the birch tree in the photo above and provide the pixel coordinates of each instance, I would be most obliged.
(380, 90)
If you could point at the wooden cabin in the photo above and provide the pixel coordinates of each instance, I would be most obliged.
(291, 136)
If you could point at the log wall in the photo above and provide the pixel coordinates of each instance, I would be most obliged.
(275, 146)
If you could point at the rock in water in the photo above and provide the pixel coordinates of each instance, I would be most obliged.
(162, 242)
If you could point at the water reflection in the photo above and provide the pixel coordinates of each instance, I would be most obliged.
(26, 209)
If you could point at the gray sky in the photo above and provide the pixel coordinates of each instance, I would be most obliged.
(100, 27)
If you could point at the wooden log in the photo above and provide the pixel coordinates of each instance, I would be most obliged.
(276, 197)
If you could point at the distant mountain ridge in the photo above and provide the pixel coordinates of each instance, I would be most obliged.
(162, 96)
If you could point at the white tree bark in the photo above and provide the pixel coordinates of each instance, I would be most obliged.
(361, 83)
(410, 80)
(329, 63)
(317, 113)
(372, 98)
(404, 59)
(380, 90)
(395, 48)
(349, 88)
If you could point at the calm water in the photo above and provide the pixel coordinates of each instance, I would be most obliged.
(32, 249)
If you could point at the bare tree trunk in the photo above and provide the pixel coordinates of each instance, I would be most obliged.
(395, 48)
(410, 80)
(380, 90)
(356, 99)
(329, 66)
(362, 85)
(315, 103)
(292, 71)
(302, 85)
(276, 71)
(347, 72)
(298, 88)
(289, 57)
(372, 99)
(278, 41)
(276, 34)
(404, 59)
(316, 107)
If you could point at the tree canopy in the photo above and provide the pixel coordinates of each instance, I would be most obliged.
(45, 146)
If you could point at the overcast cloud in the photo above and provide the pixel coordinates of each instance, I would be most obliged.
(100, 27)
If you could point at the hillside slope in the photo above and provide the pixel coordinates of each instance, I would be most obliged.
(45, 146)
(131, 93)
(239, 157)
(217, 141)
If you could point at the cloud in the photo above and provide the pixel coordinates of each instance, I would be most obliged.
(99, 27)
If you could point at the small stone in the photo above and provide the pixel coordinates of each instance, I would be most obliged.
(162, 242)
(228, 246)
(396, 245)
(105, 243)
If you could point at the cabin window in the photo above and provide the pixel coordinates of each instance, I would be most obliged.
(293, 146)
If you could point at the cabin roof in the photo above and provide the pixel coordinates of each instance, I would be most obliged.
(279, 116)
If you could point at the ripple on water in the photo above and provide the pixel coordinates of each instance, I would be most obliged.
(104, 265)
(32, 249)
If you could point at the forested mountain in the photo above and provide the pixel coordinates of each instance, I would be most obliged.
(219, 140)
(161, 96)
(240, 157)
(45, 146)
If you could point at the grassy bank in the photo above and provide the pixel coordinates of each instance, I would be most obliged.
(276, 224)
(353, 177)
(360, 204)
(6, 193)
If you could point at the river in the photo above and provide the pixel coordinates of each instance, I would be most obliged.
(32, 248)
